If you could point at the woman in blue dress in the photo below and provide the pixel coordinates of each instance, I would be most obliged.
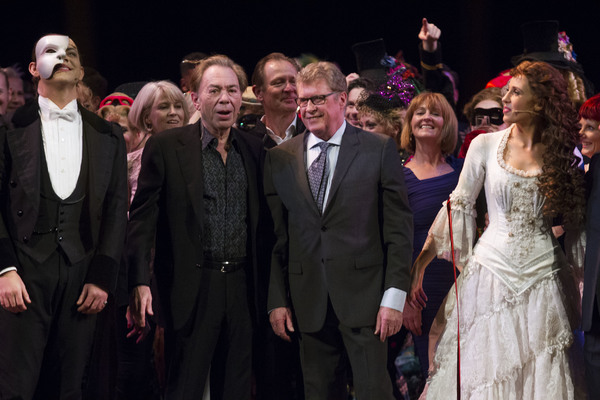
(430, 135)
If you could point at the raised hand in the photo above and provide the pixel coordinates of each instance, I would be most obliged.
(429, 35)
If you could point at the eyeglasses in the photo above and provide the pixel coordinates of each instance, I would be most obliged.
(494, 116)
(316, 100)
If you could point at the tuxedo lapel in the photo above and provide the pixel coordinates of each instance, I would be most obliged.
(189, 155)
(100, 157)
(348, 150)
(25, 147)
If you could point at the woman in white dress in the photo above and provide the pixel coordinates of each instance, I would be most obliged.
(517, 294)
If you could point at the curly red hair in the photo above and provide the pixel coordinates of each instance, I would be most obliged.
(561, 180)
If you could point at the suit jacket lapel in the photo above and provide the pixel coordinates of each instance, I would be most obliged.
(190, 163)
(251, 177)
(25, 147)
(348, 151)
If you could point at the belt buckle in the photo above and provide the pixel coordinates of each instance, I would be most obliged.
(223, 265)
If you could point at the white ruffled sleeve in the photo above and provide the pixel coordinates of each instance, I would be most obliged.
(462, 201)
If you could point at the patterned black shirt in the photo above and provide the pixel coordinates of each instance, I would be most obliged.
(225, 200)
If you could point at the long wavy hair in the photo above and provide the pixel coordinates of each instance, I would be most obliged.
(561, 181)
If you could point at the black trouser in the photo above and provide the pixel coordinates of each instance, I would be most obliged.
(136, 377)
(220, 334)
(44, 350)
(591, 354)
(277, 367)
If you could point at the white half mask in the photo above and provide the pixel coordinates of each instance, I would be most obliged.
(50, 51)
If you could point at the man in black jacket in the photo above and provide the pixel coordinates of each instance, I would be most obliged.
(198, 202)
(63, 212)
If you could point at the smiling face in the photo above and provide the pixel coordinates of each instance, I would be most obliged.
(279, 94)
(325, 119)
(426, 124)
(164, 114)
(590, 137)
(218, 99)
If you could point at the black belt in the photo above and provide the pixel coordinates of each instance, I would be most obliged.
(227, 265)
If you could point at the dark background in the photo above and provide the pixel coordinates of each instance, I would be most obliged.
(143, 40)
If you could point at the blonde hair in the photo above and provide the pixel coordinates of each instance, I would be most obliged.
(326, 71)
(147, 96)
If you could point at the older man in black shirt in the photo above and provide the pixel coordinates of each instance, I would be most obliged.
(199, 194)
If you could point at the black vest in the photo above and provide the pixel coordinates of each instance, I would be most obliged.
(59, 221)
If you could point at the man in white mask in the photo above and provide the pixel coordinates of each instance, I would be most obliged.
(62, 224)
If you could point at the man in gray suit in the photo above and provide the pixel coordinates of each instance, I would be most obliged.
(344, 241)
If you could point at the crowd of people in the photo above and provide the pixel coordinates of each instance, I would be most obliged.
(302, 234)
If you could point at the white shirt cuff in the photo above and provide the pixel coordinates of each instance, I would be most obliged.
(5, 270)
(394, 298)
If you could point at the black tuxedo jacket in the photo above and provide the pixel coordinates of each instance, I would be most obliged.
(591, 281)
(104, 221)
(358, 248)
(168, 210)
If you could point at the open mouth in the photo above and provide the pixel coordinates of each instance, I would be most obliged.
(60, 67)
(224, 114)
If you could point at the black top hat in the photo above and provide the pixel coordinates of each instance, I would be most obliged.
(369, 55)
(540, 43)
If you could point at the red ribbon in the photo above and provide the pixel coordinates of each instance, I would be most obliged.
(457, 306)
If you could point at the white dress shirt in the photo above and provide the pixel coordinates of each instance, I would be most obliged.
(392, 297)
(63, 145)
(289, 132)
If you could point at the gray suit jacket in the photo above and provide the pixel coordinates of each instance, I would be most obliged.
(358, 248)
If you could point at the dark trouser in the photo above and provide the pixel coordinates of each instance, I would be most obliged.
(220, 334)
(591, 354)
(44, 350)
(136, 378)
(277, 367)
(322, 354)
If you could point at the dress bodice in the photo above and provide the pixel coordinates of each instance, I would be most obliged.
(518, 245)
(518, 238)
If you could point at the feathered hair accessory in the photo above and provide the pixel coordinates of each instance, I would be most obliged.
(401, 85)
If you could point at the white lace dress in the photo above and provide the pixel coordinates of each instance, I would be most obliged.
(517, 296)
